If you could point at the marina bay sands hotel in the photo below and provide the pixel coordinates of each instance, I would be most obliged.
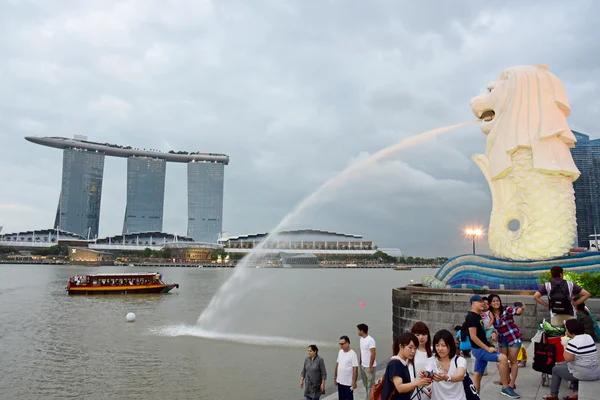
(82, 173)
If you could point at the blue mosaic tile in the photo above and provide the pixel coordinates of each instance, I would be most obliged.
(478, 271)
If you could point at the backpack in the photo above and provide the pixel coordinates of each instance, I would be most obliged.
(558, 298)
(377, 389)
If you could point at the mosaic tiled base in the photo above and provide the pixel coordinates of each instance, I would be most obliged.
(478, 271)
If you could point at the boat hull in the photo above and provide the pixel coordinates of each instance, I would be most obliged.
(142, 289)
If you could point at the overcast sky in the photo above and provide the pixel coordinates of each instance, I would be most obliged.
(293, 91)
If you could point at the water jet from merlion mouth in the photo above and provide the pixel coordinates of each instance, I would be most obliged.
(237, 286)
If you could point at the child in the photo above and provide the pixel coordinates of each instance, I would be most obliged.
(488, 323)
(465, 347)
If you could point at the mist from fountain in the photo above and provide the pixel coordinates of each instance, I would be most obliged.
(235, 288)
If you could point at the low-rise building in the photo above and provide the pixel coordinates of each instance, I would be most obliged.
(86, 256)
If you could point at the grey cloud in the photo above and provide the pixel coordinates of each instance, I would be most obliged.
(292, 91)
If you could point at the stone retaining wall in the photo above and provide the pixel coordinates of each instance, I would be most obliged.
(446, 308)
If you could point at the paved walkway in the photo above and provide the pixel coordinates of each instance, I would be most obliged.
(529, 384)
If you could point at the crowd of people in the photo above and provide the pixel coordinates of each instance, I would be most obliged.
(423, 368)
(84, 280)
(566, 302)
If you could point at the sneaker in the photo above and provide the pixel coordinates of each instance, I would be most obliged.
(510, 392)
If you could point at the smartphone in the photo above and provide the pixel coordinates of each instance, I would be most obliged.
(518, 304)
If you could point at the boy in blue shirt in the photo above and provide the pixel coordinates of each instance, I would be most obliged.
(464, 347)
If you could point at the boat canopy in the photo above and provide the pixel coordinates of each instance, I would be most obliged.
(124, 275)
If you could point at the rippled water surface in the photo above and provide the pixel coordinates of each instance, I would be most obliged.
(55, 346)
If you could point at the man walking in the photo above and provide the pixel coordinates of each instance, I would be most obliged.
(368, 352)
(483, 352)
(346, 370)
(560, 294)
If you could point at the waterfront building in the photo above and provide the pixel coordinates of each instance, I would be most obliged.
(145, 194)
(586, 155)
(83, 165)
(305, 241)
(153, 240)
(205, 201)
(39, 238)
(301, 239)
(78, 208)
(193, 252)
(90, 257)
(306, 248)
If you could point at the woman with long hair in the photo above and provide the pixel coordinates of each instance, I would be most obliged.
(313, 375)
(421, 331)
(397, 384)
(447, 369)
(509, 335)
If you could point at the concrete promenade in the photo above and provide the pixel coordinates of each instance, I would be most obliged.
(529, 384)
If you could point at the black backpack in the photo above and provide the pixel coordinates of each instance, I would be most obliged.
(559, 298)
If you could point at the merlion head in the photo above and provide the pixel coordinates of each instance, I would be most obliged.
(526, 107)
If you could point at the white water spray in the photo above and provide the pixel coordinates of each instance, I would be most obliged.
(257, 340)
(235, 287)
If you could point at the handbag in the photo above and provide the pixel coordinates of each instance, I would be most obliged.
(544, 356)
(522, 357)
(420, 393)
(469, 388)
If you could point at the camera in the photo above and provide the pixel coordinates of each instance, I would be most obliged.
(427, 374)
(518, 304)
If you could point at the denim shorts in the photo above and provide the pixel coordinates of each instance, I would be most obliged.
(482, 357)
(516, 345)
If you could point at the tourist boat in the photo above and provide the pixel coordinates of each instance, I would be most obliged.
(402, 268)
(119, 283)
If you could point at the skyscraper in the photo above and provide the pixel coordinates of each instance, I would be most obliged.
(83, 166)
(81, 192)
(145, 194)
(586, 155)
(205, 200)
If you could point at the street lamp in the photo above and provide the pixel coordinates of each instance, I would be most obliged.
(474, 232)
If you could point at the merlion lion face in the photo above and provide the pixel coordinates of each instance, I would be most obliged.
(526, 107)
(489, 106)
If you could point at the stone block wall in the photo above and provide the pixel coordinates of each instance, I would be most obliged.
(446, 308)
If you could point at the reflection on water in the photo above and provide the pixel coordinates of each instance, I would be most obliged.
(56, 346)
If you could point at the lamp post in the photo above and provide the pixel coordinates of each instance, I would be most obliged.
(473, 232)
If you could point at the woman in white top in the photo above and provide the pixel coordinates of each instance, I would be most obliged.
(421, 331)
(447, 367)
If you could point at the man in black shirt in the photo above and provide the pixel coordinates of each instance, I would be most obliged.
(482, 350)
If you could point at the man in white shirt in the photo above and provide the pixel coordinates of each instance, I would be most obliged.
(368, 353)
(346, 370)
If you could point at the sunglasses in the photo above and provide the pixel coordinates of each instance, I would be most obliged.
(341, 344)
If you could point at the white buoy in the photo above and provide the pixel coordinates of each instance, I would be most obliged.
(130, 317)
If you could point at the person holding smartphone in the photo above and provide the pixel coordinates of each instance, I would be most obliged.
(509, 335)
(446, 368)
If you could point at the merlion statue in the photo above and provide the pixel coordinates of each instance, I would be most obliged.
(527, 164)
